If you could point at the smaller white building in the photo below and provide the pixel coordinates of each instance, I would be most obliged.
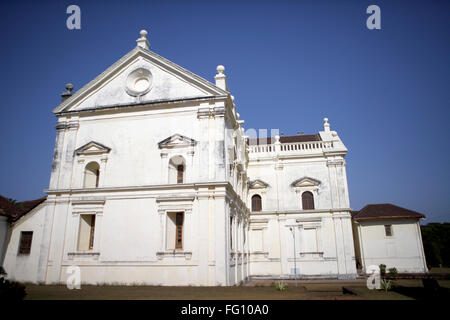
(390, 235)
(21, 225)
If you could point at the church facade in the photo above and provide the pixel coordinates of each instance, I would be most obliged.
(156, 181)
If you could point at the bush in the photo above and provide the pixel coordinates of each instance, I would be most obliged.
(281, 286)
(393, 273)
(386, 284)
(11, 290)
(382, 270)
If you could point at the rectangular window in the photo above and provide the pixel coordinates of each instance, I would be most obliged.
(25, 242)
(388, 230)
(231, 233)
(179, 232)
(180, 172)
(86, 232)
(174, 230)
(91, 233)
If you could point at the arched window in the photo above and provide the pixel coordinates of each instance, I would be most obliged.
(91, 175)
(177, 170)
(307, 200)
(180, 173)
(256, 203)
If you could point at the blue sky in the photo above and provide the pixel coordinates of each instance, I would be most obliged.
(289, 64)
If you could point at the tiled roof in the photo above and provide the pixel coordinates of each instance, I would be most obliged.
(285, 139)
(16, 210)
(353, 213)
(385, 211)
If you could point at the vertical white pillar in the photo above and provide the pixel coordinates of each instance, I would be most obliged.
(45, 240)
(345, 252)
(56, 245)
(57, 154)
(204, 210)
(67, 160)
(221, 241)
(102, 177)
(164, 168)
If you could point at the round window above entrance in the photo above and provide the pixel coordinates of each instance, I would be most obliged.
(139, 82)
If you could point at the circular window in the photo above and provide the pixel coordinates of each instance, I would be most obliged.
(139, 82)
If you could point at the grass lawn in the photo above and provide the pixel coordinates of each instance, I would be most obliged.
(309, 290)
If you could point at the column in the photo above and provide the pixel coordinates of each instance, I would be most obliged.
(57, 154)
(221, 241)
(67, 163)
(164, 168)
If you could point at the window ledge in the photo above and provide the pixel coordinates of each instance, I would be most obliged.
(312, 254)
(174, 254)
(83, 254)
(259, 254)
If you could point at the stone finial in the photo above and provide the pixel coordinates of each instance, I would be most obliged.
(326, 125)
(220, 69)
(277, 139)
(68, 92)
(221, 78)
(142, 41)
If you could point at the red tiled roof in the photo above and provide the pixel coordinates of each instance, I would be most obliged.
(16, 210)
(353, 213)
(385, 211)
(286, 139)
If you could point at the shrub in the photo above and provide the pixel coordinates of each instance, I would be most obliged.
(393, 273)
(281, 286)
(386, 284)
(11, 290)
(382, 269)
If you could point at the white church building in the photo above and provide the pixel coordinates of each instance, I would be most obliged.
(156, 181)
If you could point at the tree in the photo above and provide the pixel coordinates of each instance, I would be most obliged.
(436, 244)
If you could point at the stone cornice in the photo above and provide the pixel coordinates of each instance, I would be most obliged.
(229, 193)
(333, 210)
(130, 107)
(140, 188)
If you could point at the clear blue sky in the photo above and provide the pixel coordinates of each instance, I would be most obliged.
(289, 64)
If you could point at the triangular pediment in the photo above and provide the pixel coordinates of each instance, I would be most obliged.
(305, 182)
(176, 140)
(258, 184)
(139, 77)
(92, 148)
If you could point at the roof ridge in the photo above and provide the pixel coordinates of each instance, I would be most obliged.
(386, 210)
